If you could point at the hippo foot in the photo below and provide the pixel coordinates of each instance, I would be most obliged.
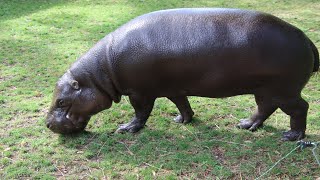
(250, 125)
(132, 127)
(180, 119)
(292, 135)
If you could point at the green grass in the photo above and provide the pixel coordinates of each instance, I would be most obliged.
(40, 39)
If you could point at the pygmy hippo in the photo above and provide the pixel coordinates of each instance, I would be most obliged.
(190, 52)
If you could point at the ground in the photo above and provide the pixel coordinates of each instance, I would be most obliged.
(39, 40)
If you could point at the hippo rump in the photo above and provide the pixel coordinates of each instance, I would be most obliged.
(190, 52)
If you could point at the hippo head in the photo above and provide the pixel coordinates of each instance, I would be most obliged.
(75, 100)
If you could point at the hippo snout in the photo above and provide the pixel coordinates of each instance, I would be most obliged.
(61, 124)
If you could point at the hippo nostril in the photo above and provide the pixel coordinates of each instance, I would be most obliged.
(48, 125)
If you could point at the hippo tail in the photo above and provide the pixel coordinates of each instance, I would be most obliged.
(315, 56)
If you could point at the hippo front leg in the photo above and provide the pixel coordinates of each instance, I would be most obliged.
(143, 107)
(184, 107)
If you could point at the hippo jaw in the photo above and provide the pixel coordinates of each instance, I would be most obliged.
(66, 122)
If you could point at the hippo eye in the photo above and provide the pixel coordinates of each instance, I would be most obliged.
(61, 103)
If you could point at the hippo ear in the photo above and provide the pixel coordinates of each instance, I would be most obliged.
(75, 85)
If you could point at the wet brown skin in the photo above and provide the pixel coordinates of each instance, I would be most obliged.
(190, 52)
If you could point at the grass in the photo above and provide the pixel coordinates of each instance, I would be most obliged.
(38, 42)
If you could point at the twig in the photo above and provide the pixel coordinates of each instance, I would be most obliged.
(125, 98)
(160, 169)
(90, 141)
(129, 151)
(163, 155)
(229, 142)
(305, 95)
(101, 149)
(104, 175)
(58, 169)
(269, 157)
(152, 166)
(89, 170)
(191, 132)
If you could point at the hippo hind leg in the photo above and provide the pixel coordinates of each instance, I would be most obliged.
(297, 109)
(265, 108)
(184, 107)
(143, 107)
(292, 105)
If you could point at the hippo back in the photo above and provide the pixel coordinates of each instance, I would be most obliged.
(190, 51)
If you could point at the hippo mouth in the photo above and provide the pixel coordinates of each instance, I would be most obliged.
(73, 118)
(67, 122)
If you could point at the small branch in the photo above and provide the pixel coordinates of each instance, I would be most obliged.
(191, 132)
(229, 142)
(58, 169)
(129, 151)
(125, 98)
(98, 154)
(104, 175)
(159, 169)
(90, 141)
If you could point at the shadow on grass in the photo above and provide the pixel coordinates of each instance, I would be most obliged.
(206, 151)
